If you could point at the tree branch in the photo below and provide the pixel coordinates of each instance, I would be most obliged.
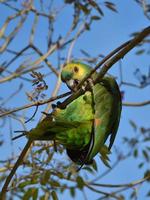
(37, 103)
(144, 103)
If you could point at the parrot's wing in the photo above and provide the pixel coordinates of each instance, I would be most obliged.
(118, 107)
(46, 129)
(107, 109)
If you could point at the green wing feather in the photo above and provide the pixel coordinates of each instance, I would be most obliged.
(107, 108)
(70, 127)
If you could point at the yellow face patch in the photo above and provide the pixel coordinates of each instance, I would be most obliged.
(77, 70)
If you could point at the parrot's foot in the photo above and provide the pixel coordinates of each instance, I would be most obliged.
(54, 106)
(88, 84)
(57, 105)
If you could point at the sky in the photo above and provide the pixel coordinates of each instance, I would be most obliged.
(104, 36)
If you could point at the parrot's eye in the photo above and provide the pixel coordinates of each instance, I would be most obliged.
(76, 69)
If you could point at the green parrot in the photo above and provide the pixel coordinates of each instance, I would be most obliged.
(106, 106)
(85, 124)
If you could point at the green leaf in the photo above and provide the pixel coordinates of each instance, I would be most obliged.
(148, 194)
(135, 153)
(89, 169)
(60, 175)
(83, 8)
(23, 184)
(110, 6)
(97, 7)
(45, 178)
(87, 26)
(54, 195)
(72, 191)
(147, 175)
(31, 193)
(94, 17)
(132, 123)
(80, 182)
(54, 183)
(94, 165)
(69, 1)
(141, 165)
(140, 52)
(146, 156)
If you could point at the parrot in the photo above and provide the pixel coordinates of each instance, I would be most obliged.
(88, 121)
(106, 105)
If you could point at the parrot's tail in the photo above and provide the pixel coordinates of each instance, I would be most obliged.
(23, 133)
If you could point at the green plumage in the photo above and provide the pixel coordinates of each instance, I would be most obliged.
(65, 125)
(85, 124)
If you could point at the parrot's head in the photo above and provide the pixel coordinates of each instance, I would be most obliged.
(73, 73)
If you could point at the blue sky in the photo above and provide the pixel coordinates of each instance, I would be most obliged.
(104, 36)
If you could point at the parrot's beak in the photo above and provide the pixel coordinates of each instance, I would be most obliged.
(72, 84)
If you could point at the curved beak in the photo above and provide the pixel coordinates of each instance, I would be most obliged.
(72, 84)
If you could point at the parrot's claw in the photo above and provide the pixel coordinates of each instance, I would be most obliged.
(54, 106)
(57, 105)
(90, 82)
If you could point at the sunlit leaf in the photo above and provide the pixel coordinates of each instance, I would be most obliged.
(54, 195)
(80, 182)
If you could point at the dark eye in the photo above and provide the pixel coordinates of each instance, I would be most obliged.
(76, 69)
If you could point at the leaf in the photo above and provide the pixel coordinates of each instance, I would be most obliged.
(45, 178)
(135, 153)
(54, 183)
(54, 195)
(69, 1)
(147, 175)
(134, 126)
(148, 194)
(146, 156)
(23, 184)
(141, 165)
(94, 17)
(111, 6)
(97, 7)
(31, 193)
(72, 191)
(133, 194)
(80, 182)
(88, 168)
(94, 165)
(27, 183)
(141, 51)
(83, 8)
(87, 26)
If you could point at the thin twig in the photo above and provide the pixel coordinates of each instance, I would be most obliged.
(136, 104)
(12, 172)
(131, 184)
(37, 103)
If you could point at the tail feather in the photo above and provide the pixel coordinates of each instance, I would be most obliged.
(23, 133)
